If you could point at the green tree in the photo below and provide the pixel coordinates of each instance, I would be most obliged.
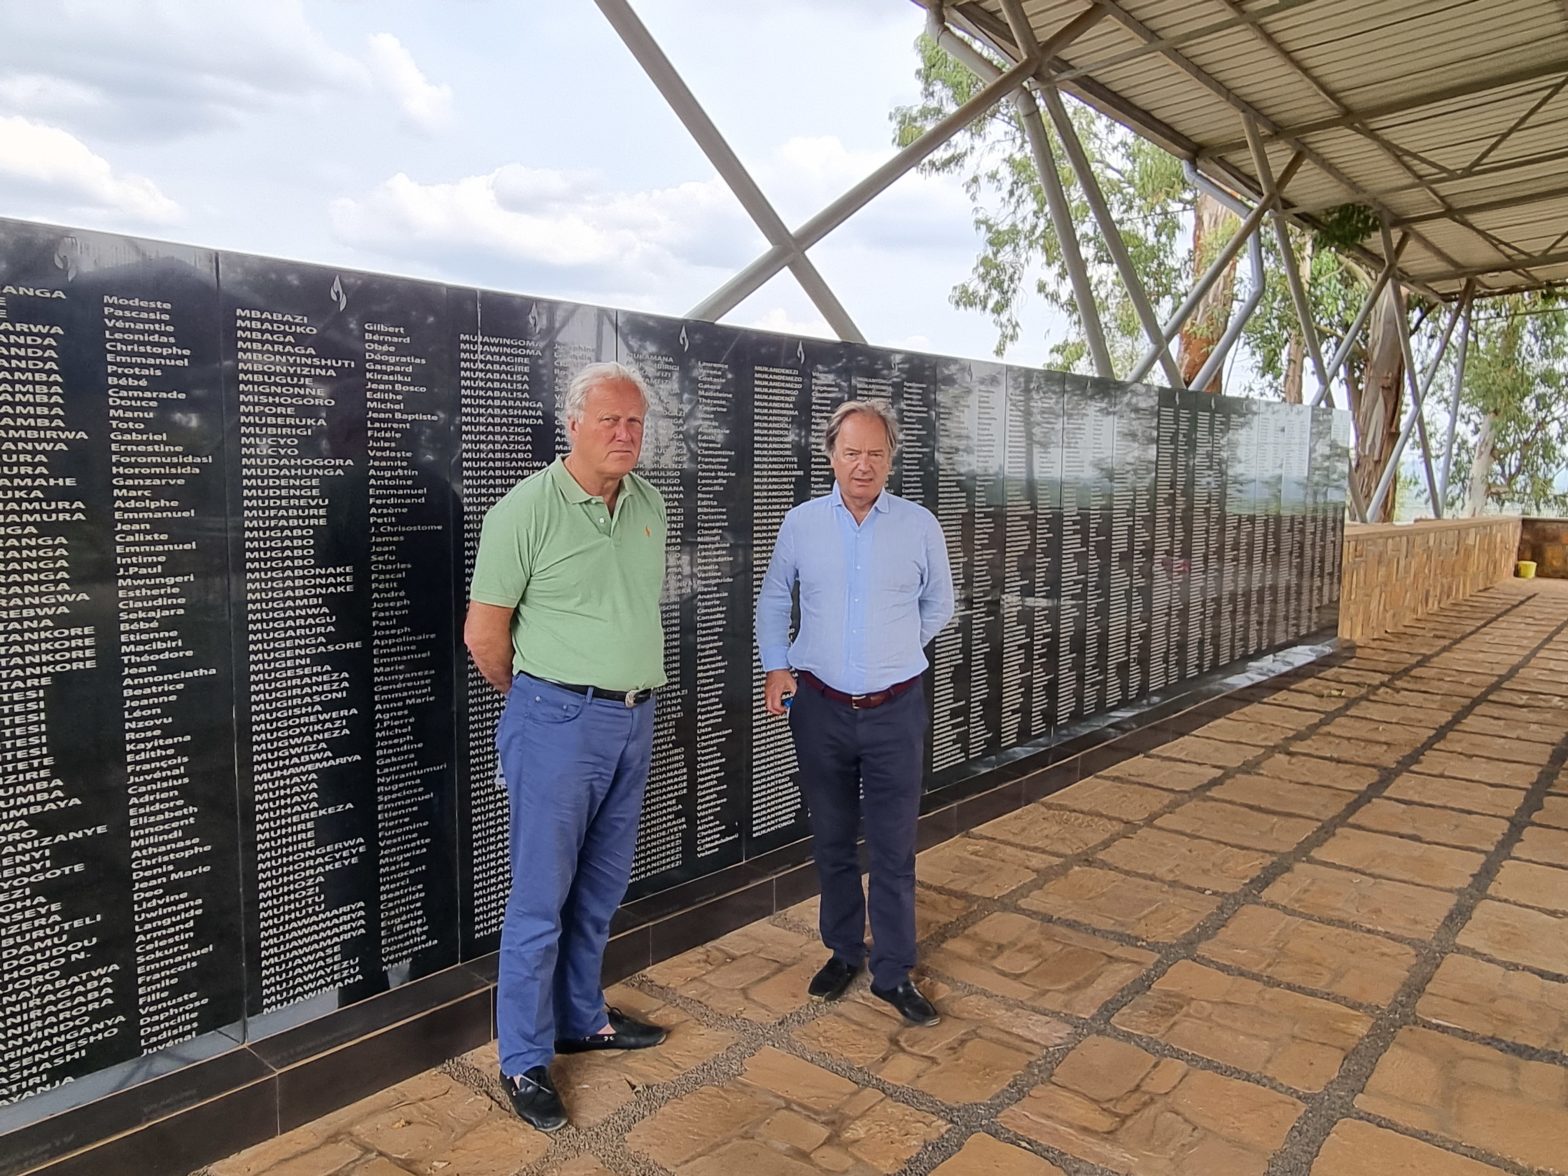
(1512, 449)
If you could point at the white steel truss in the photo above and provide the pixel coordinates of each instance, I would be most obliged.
(996, 41)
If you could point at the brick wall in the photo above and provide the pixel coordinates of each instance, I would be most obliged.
(1394, 574)
(1546, 542)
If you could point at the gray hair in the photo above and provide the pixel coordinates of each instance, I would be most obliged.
(871, 408)
(592, 377)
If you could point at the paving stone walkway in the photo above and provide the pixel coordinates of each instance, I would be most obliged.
(1326, 934)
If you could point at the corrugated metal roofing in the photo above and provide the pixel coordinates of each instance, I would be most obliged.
(1449, 117)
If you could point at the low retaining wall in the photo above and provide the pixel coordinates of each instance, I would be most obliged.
(1393, 574)
(1545, 541)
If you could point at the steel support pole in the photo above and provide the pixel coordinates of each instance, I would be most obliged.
(1298, 292)
(1357, 506)
(751, 279)
(634, 34)
(1238, 321)
(1084, 170)
(1412, 379)
(1222, 260)
(1050, 180)
(1342, 352)
(1468, 299)
(1414, 419)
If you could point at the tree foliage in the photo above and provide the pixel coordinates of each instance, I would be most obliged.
(1516, 382)
(1518, 357)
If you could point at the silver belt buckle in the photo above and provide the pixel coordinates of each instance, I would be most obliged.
(855, 699)
(631, 699)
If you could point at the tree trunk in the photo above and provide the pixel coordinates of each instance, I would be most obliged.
(1377, 404)
(1481, 468)
(1202, 331)
(1296, 352)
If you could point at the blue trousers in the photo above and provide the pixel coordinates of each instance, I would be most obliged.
(575, 768)
(843, 754)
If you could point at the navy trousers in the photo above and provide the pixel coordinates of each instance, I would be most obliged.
(575, 770)
(879, 754)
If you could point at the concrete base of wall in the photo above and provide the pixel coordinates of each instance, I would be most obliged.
(1394, 574)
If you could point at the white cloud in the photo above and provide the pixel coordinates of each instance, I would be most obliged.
(162, 68)
(45, 163)
(569, 223)
(780, 320)
(652, 247)
(426, 106)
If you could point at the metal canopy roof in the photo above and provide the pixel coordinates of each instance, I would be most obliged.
(1448, 117)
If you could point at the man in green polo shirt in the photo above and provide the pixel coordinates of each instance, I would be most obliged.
(563, 618)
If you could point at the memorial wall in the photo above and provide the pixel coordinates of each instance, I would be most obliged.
(246, 770)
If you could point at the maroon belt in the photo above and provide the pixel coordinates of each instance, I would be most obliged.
(859, 701)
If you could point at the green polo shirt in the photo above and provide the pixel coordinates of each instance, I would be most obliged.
(585, 584)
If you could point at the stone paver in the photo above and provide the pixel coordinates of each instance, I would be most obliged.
(1468, 795)
(1307, 769)
(759, 972)
(1353, 964)
(1115, 1105)
(1238, 826)
(1112, 798)
(984, 1155)
(1441, 826)
(1400, 859)
(1497, 1002)
(1282, 796)
(1294, 1039)
(1547, 846)
(977, 1049)
(1049, 830)
(982, 867)
(1378, 904)
(1532, 885)
(1473, 1094)
(1055, 969)
(1154, 911)
(1355, 1148)
(1191, 861)
(1518, 934)
(776, 1117)
(1155, 971)
(1172, 775)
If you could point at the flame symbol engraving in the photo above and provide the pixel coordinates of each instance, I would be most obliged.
(533, 319)
(800, 353)
(685, 344)
(65, 255)
(338, 295)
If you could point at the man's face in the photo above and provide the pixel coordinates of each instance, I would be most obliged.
(607, 439)
(862, 459)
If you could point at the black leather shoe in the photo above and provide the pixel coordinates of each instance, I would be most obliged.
(535, 1100)
(906, 998)
(625, 1033)
(832, 980)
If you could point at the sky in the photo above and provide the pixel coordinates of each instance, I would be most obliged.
(510, 144)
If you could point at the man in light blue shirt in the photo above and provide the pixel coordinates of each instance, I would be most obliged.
(875, 588)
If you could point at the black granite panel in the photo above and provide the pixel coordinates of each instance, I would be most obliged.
(339, 384)
(696, 449)
(241, 501)
(351, 1072)
(119, 896)
(515, 358)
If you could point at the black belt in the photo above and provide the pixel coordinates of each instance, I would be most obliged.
(859, 701)
(630, 697)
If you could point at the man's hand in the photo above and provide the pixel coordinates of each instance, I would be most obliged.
(488, 635)
(778, 684)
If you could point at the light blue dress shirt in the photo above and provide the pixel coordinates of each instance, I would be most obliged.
(872, 594)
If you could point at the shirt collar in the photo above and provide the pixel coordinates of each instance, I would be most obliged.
(569, 488)
(838, 499)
